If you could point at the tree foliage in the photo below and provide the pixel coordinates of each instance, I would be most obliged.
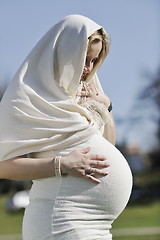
(151, 95)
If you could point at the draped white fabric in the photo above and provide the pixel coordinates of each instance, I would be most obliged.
(38, 111)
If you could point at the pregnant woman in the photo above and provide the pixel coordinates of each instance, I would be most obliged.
(55, 112)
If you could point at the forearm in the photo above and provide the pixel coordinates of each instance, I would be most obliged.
(76, 163)
(27, 168)
(110, 131)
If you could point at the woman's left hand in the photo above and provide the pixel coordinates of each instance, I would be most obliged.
(94, 93)
(98, 95)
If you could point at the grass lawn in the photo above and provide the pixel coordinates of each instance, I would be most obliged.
(133, 216)
(154, 237)
(146, 215)
(9, 223)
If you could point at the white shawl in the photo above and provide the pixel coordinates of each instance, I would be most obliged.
(38, 111)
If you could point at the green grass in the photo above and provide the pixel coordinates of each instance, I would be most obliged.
(154, 237)
(146, 215)
(9, 223)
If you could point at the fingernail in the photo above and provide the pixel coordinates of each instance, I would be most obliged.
(97, 180)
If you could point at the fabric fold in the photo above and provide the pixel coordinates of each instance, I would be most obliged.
(38, 111)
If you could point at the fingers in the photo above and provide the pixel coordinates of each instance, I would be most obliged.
(97, 157)
(92, 171)
(93, 89)
(99, 171)
(82, 163)
(99, 164)
(95, 171)
(84, 94)
(94, 160)
(96, 180)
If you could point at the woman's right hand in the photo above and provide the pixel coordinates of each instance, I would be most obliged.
(82, 163)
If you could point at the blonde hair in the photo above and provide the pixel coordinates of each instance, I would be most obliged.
(99, 35)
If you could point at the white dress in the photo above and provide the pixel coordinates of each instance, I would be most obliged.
(72, 208)
(38, 112)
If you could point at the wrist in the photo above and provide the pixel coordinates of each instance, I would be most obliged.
(108, 105)
(106, 101)
(57, 166)
(63, 166)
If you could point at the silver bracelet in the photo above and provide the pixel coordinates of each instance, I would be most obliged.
(57, 166)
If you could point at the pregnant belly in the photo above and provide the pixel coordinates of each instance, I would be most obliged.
(78, 206)
(112, 194)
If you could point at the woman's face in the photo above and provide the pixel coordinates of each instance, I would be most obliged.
(92, 56)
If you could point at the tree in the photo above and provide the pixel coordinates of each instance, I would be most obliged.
(151, 94)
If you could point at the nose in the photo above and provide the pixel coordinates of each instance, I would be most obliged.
(88, 68)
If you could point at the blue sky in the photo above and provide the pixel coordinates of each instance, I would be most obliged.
(132, 24)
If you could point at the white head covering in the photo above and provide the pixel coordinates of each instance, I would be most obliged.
(38, 111)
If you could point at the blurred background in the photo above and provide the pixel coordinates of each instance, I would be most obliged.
(130, 76)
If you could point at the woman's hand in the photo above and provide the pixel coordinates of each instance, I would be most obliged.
(82, 163)
(90, 91)
(98, 95)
